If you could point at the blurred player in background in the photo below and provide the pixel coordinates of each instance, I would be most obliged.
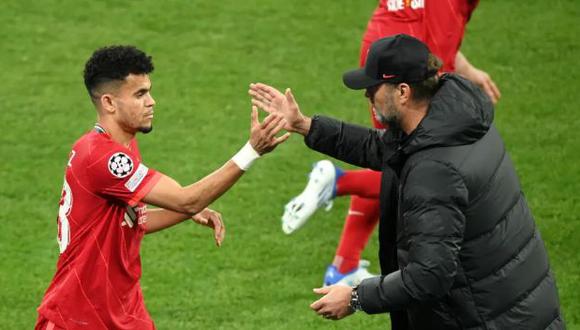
(103, 213)
(441, 25)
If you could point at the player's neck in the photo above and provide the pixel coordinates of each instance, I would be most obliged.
(116, 132)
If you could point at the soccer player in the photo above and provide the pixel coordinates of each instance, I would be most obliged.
(103, 211)
(441, 25)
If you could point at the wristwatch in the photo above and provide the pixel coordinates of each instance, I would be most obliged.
(354, 301)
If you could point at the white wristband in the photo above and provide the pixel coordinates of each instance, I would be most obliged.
(245, 157)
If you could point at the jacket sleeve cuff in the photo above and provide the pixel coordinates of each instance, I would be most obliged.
(383, 294)
(311, 136)
(321, 130)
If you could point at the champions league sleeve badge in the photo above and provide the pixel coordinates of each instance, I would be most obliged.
(120, 165)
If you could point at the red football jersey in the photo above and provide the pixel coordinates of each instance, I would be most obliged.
(100, 227)
(445, 22)
(393, 17)
(438, 23)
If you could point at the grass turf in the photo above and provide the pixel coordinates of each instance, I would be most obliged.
(206, 52)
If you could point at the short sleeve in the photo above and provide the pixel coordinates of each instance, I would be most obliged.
(119, 174)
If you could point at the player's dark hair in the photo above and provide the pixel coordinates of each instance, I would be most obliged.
(114, 63)
(424, 90)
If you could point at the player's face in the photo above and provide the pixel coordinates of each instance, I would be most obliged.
(383, 99)
(134, 104)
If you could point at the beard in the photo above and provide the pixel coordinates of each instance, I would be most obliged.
(391, 117)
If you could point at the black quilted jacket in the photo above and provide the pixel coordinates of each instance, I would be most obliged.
(459, 248)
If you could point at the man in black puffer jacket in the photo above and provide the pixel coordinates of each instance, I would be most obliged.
(458, 245)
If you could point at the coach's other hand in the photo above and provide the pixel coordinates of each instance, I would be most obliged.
(335, 305)
(263, 135)
(212, 219)
(273, 101)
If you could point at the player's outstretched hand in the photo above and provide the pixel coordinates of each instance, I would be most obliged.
(263, 135)
(273, 101)
(212, 219)
(335, 304)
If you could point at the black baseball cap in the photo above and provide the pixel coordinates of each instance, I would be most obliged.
(395, 59)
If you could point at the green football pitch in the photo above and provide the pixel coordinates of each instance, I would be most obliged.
(206, 53)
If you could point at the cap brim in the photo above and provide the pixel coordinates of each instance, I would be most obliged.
(357, 79)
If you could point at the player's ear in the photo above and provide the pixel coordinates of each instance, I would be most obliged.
(107, 103)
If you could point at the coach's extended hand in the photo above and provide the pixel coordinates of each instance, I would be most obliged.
(273, 101)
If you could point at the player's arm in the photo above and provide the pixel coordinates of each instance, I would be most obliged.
(191, 199)
(477, 76)
(158, 219)
(169, 194)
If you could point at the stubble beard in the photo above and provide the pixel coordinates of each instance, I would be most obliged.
(392, 117)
